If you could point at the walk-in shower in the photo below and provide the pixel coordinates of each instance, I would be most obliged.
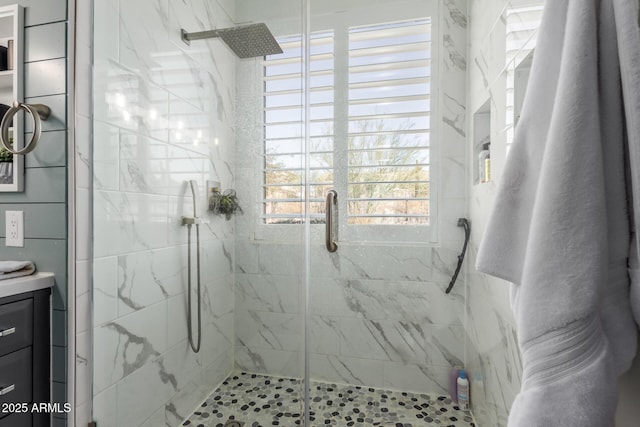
(356, 98)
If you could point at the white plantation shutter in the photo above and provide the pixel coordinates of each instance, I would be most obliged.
(375, 101)
(283, 144)
(389, 123)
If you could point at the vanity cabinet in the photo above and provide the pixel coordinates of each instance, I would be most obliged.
(24, 358)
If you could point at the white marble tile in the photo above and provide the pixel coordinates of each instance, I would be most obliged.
(144, 164)
(83, 413)
(146, 278)
(347, 370)
(130, 101)
(177, 312)
(261, 329)
(124, 346)
(247, 256)
(416, 377)
(84, 308)
(387, 300)
(324, 335)
(267, 293)
(403, 341)
(274, 362)
(329, 297)
(181, 362)
(106, 29)
(185, 165)
(212, 374)
(189, 126)
(156, 419)
(217, 258)
(143, 392)
(280, 259)
(83, 224)
(126, 222)
(105, 290)
(143, 37)
(180, 206)
(372, 262)
(445, 260)
(190, 15)
(105, 407)
(454, 117)
(106, 156)
(83, 152)
(83, 369)
(83, 312)
(217, 337)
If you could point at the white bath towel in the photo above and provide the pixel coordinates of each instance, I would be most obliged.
(627, 14)
(11, 269)
(560, 229)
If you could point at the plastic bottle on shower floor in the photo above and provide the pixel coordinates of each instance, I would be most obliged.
(463, 390)
(453, 383)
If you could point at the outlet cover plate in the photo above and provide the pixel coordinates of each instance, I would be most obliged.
(14, 221)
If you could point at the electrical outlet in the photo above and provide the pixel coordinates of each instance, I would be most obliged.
(14, 228)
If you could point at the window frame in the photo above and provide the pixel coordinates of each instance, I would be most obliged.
(340, 23)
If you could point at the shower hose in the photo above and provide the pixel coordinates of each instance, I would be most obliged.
(194, 347)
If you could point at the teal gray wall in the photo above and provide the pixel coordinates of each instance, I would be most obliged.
(45, 199)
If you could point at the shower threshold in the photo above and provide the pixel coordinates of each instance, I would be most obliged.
(253, 400)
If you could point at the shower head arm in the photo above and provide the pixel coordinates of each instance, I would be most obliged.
(198, 35)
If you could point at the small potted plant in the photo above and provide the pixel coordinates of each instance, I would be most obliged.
(225, 203)
(5, 156)
(6, 167)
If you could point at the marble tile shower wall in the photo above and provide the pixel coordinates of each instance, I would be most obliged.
(163, 114)
(379, 314)
(498, 42)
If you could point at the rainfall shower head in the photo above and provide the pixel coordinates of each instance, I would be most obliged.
(246, 41)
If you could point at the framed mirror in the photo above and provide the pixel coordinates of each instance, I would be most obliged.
(11, 88)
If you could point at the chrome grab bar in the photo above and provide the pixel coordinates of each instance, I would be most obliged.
(37, 112)
(332, 199)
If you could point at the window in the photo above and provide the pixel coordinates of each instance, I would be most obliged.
(370, 125)
(283, 144)
(388, 134)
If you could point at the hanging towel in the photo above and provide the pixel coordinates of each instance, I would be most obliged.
(10, 269)
(627, 15)
(560, 229)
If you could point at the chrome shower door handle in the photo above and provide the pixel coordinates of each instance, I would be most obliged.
(332, 199)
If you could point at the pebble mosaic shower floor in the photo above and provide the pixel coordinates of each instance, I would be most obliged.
(251, 400)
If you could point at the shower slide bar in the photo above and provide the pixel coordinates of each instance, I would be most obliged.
(332, 199)
(189, 221)
(38, 112)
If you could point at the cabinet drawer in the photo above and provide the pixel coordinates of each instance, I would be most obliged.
(17, 420)
(15, 370)
(18, 315)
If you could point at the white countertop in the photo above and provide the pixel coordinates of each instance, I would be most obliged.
(23, 284)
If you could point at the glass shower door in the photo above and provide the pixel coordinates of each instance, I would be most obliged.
(382, 333)
(167, 113)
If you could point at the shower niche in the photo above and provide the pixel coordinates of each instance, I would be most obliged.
(482, 144)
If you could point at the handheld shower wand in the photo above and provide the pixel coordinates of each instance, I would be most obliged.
(189, 221)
